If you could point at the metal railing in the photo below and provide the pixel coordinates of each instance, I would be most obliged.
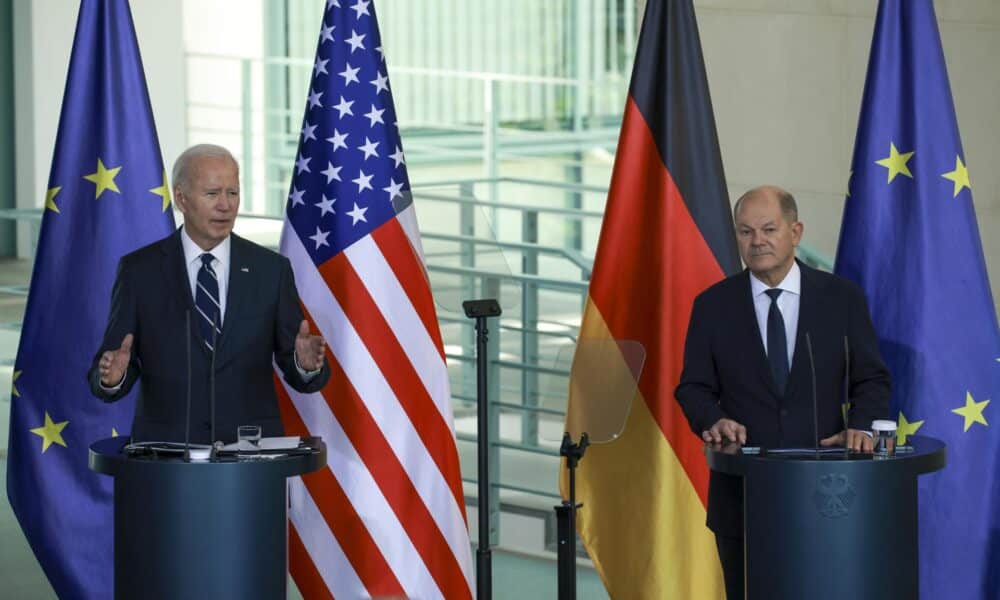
(263, 131)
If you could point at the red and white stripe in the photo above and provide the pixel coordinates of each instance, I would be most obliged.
(387, 515)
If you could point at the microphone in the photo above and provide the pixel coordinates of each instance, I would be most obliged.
(187, 407)
(812, 375)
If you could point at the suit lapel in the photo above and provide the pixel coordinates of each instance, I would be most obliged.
(175, 274)
(799, 378)
(238, 289)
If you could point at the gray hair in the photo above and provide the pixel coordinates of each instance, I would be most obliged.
(181, 175)
(789, 209)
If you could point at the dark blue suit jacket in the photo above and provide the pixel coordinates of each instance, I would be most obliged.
(151, 295)
(726, 374)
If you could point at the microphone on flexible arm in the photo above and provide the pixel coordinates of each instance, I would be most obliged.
(812, 375)
(187, 403)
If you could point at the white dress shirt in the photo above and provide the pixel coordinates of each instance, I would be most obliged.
(788, 303)
(220, 263)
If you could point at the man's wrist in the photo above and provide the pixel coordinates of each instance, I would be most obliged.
(112, 388)
(307, 375)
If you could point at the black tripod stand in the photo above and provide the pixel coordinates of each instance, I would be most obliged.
(566, 518)
(480, 310)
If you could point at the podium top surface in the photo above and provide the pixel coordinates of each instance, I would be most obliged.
(108, 456)
(920, 455)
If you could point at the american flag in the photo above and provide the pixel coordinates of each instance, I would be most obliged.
(387, 516)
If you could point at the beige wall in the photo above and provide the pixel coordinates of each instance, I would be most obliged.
(787, 76)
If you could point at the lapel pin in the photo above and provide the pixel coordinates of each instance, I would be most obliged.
(245, 269)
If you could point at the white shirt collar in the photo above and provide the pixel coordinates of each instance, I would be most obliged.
(193, 252)
(792, 282)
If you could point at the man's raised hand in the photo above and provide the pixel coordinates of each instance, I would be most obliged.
(309, 349)
(113, 363)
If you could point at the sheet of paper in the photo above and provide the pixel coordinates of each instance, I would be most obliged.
(287, 442)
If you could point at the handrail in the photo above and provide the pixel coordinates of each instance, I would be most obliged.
(472, 200)
(576, 187)
(576, 258)
(285, 61)
(519, 277)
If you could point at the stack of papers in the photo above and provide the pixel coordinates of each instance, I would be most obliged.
(288, 442)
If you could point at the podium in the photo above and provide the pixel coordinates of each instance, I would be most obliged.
(830, 525)
(200, 529)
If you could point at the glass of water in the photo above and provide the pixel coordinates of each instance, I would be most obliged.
(250, 433)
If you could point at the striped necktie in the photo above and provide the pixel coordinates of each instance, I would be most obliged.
(206, 300)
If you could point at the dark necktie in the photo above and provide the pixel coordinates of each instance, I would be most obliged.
(206, 300)
(777, 345)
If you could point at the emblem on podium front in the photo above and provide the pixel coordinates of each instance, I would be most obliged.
(834, 495)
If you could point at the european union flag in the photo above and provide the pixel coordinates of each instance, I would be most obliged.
(107, 195)
(909, 238)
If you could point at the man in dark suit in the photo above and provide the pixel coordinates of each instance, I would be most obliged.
(239, 301)
(747, 374)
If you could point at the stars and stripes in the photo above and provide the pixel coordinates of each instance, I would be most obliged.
(387, 516)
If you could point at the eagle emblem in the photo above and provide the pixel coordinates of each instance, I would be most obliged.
(834, 495)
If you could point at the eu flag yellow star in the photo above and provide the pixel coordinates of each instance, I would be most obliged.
(13, 385)
(904, 428)
(163, 191)
(972, 411)
(960, 176)
(50, 199)
(51, 433)
(104, 178)
(896, 162)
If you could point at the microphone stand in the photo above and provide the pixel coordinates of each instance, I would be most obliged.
(566, 519)
(187, 407)
(847, 392)
(480, 310)
(812, 373)
(216, 446)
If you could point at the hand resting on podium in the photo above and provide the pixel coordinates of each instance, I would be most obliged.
(727, 429)
(856, 440)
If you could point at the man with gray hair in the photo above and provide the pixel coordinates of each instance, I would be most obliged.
(239, 302)
(747, 374)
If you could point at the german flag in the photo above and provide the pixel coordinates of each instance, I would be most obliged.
(667, 235)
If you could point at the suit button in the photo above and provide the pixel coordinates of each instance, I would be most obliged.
(784, 412)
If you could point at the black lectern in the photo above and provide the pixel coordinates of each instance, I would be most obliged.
(201, 529)
(830, 525)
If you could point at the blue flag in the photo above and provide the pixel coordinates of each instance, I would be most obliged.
(107, 195)
(909, 238)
